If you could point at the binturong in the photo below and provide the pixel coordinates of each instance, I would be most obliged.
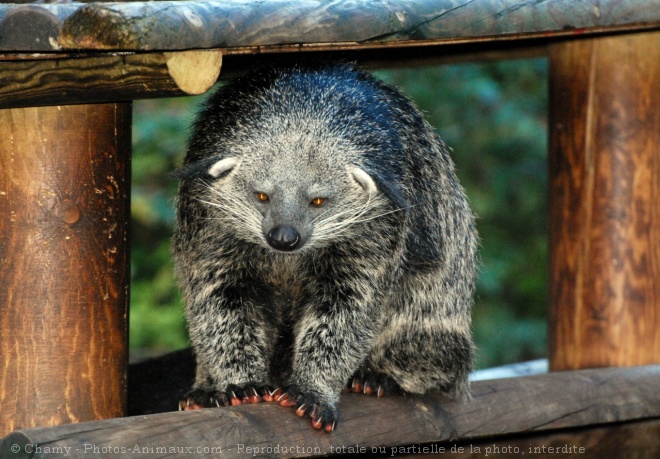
(323, 244)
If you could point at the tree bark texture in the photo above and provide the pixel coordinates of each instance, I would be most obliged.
(605, 202)
(64, 207)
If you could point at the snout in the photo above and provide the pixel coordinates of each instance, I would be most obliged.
(283, 237)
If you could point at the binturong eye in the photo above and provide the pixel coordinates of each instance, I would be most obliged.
(262, 197)
(318, 202)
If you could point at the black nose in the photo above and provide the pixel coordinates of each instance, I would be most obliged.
(283, 237)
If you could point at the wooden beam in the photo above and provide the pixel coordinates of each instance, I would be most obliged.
(27, 27)
(107, 78)
(256, 26)
(83, 40)
(605, 195)
(629, 440)
(44, 79)
(64, 266)
(61, 79)
(526, 405)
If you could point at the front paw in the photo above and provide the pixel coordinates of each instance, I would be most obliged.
(323, 415)
(233, 395)
(371, 382)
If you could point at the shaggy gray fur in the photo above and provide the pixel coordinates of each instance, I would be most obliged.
(372, 288)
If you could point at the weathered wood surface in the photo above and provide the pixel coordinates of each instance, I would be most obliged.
(605, 195)
(276, 25)
(110, 77)
(38, 80)
(630, 440)
(64, 266)
(526, 405)
(82, 39)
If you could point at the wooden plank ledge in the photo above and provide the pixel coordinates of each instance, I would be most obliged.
(251, 26)
(531, 404)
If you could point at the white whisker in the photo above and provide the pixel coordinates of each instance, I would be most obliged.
(339, 223)
(233, 210)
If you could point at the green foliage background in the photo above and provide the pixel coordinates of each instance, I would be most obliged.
(493, 115)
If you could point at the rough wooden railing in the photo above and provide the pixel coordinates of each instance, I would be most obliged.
(587, 413)
(69, 72)
(64, 53)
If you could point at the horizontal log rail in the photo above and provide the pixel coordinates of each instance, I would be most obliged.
(107, 77)
(526, 405)
(72, 53)
(241, 26)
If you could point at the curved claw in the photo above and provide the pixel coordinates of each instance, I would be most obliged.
(189, 405)
(254, 396)
(234, 400)
(197, 399)
(233, 395)
(356, 385)
(330, 427)
(286, 401)
(372, 383)
(301, 411)
(321, 414)
(271, 395)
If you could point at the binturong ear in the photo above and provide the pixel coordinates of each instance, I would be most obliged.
(206, 167)
(222, 167)
(364, 180)
(374, 183)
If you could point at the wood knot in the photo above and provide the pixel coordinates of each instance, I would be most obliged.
(68, 211)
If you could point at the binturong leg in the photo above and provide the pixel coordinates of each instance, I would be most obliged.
(331, 341)
(232, 349)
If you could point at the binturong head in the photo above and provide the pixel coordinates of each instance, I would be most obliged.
(286, 205)
(296, 158)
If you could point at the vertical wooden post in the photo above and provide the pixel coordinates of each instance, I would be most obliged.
(64, 212)
(605, 202)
